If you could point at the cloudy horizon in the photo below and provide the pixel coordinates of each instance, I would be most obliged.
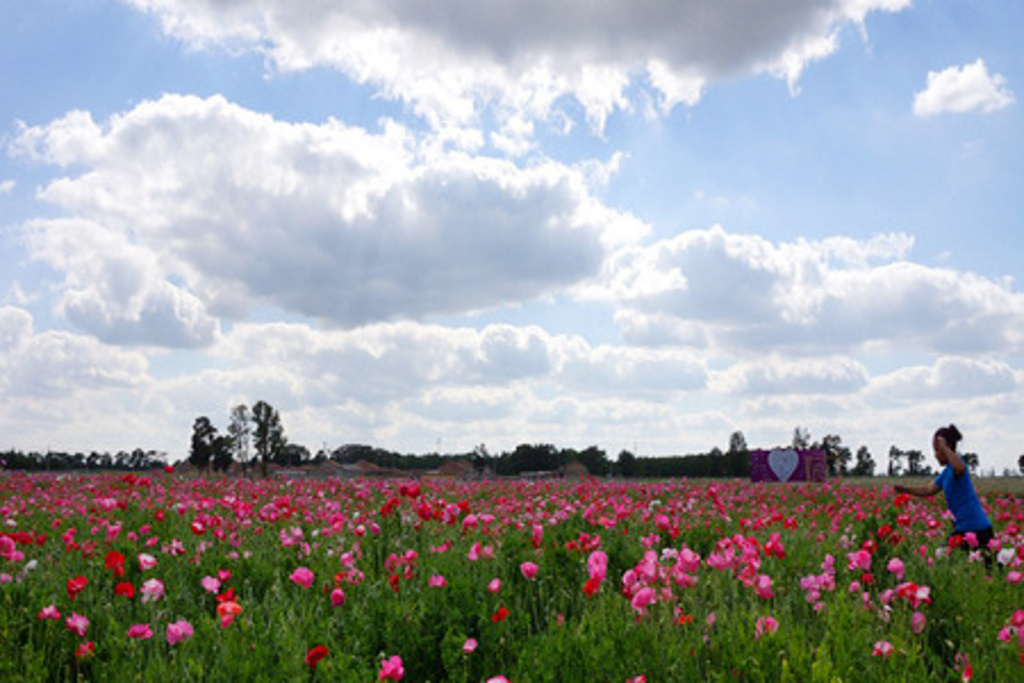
(639, 227)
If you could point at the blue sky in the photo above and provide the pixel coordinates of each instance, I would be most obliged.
(639, 226)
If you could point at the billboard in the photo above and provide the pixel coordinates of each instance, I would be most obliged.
(788, 464)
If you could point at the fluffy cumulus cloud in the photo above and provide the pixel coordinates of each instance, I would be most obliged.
(447, 58)
(744, 294)
(961, 89)
(190, 208)
(53, 363)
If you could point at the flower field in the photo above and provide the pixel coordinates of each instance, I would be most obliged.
(161, 577)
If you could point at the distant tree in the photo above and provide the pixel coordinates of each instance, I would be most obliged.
(239, 432)
(864, 465)
(1020, 463)
(801, 438)
(268, 434)
(595, 460)
(626, 464)
(291, 455)
(972, 461)
(836, 455)
(737, 443)
(915, 463)
(738, 457)
(204, 436)
(895, 461)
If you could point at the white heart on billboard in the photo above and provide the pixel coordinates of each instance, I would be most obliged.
(783, 463)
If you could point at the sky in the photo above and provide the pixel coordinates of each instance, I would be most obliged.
(436, 226)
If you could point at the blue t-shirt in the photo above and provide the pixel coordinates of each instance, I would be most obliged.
(962, 500)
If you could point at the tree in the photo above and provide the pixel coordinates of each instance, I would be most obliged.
(915, 463)
(737, 443)
(626, 464)
(204, 434)
(836, 455)
(895, 461)
(239, 432)
(268, 434)
(972, 461)
(801, 438)
(1020, 463)
(864, 465)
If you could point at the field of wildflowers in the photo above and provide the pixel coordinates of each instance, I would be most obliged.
(162, 577)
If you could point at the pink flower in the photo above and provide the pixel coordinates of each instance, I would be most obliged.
(337, 597)
(77, 624)
(140, 631)
(494, 586)
(146, 561)
(917, 622)
(529, 570)
(859, 561)
(469, 646)
(391, 669)
(883, 648)
(437, 581)
(178, 631)
(597, 565)
(49, 612)
(152, 590)
(210, 584)
(303, 577)
(497, 679)
(1014, 577)
(896, 567)
(643, 598)
(764, 626)
(764, 587)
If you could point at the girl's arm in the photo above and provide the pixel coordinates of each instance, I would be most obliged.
(924, 490)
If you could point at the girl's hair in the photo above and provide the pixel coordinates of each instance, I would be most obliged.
(951, 434)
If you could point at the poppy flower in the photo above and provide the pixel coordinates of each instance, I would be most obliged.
(76, 586)
(314, 656)
(152, 590)
(177, 631)
(140, 631)
(146, 561)
(85, 650)
(500, 615)
(391, 669)
(227, 611)
(883, 648)
(77, 623)
(337, 597)
(125, 589)
(469, 646)
(302, 577)
(49, 612)
(115, 563)
(764, 626)
(529, 570)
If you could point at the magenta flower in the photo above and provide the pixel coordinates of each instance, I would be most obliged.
(437, 581)
(859, 561)
(49, 612)
(497, 679)
(178, 631)
(883, 648)
(391, 669)
(494, 586)
(529, 570)
(303, 577)
(764, 626)
(597, 565)
(337, 597)
(469, 646)
(643, 598)
(146, 561)
(210, 584)
(763, 585)
(77, 623)
(896, 567)
(140, 631)
(917, 622)
(152, 590)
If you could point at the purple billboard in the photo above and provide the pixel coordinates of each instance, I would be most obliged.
(788, 464)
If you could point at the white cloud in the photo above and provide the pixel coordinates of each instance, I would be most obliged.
(743, 294)
(815, 376)
(963, 89)
(7, 186)
(450, 58)
(328, 221)
(53, 364)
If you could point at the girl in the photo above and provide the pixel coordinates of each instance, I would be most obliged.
(955, 482)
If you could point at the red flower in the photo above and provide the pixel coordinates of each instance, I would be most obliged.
(115, 563)
(314, 656)
(85, 650)
(227, 596)
(197, 527)
(125, 589)
(591, 586)
(76, 586)
(500, 615)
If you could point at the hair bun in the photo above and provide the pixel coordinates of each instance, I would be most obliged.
(954, 432)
